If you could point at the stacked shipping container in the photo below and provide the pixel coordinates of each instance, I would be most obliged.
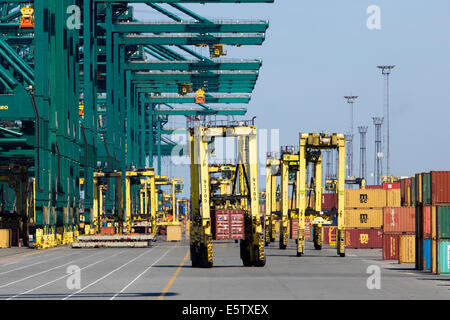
(364, 215)
(432, 191)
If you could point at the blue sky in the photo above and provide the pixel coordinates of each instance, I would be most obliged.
(318, 51)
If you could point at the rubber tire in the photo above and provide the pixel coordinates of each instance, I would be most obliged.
(194, 257)
(299, 254)
(204, 263)
(342, 254)
(245, 254)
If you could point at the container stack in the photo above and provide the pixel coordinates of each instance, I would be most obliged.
(399, 224)
(364, 215)
(432, 192)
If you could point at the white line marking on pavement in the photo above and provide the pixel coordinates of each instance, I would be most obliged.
(124, 288)
(45, 271)
(106, 275)
(64, 276)
(33, 264)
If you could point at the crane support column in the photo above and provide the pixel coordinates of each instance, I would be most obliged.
(284, 203)
(341, 203)
(301, 196)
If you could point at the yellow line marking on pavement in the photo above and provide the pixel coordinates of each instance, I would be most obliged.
(166, 289)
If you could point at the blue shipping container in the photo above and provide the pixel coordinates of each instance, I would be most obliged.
(427, 255)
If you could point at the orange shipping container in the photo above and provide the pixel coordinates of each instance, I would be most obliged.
(364, 218)
(399, 219)
(365, 198)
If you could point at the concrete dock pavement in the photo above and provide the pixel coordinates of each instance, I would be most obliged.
(164, 272)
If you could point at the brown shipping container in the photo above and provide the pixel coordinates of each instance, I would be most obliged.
(407, 249)
(440, 187)
(364, 218)
(399, 219)
(364, 238)
(393, 198)
(329, 201)
(365, 198)
(390, 246)
(229, 224)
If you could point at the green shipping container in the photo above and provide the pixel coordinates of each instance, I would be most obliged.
(426, 188)
(444, 257)
(413, 192)
(443, 222)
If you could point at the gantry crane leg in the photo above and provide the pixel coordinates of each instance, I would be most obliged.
(340, 236)
(200, 235)
(301, 197)
(252, 248)
(284, 204)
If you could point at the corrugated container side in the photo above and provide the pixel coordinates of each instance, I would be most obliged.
(407, 249)
(399, 219)
(308, 229)
(5, 238)
(391, 185)
(364, 218)
(403, 190)
(375, 186)
(444, 257)
(393, 198)
(433, 222)
(329, 201)
(427, 255)
(427, 222)
(329, 235)
(440, 187)
(229, 224)
(418, 187)
(412, 192)
(365, 198)
(443, 222)
(426, 188)
(434, 259)
(364, 238)
(294, 228)
(390, 246)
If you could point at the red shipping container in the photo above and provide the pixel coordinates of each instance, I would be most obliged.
(373, 187)
(364, 238)
(108, 230)
(294, 229)
(229, 224)
(308, 229)
(440, 187)
(390, 246)
(329, 235)
(391, 185)
(399, 219)
(329, 201)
